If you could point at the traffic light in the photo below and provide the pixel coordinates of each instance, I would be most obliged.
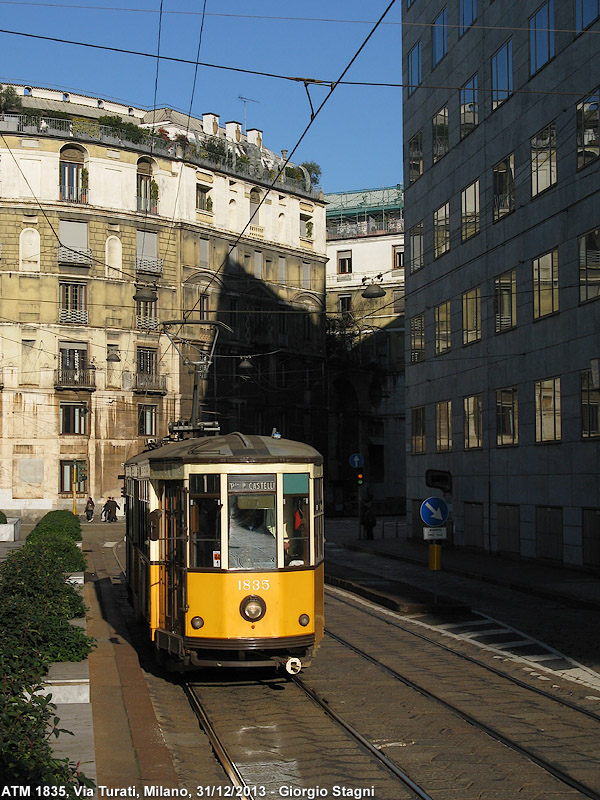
(80, 471)
(360, 478)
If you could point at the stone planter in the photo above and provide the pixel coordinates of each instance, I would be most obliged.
(11, 530)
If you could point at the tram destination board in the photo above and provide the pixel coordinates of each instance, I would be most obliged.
(251, 483)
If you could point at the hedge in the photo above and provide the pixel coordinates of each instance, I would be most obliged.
(35, 607)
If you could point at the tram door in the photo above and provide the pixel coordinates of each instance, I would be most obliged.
(175, 504)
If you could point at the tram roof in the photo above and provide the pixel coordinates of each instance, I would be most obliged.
(231, 448)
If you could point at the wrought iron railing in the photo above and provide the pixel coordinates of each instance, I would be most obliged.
(79, 256)
(147, 382)
(153, 266)
(70, 316)
(75, 379)
(73, 194)
(146, 323)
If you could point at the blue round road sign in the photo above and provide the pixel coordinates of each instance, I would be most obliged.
(356, 460)
(434, 512)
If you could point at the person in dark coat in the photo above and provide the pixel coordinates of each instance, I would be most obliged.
(369, 521)
(89, 509)
(110, 510)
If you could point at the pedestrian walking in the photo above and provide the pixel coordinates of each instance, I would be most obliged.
(89, 509)
(111, 509)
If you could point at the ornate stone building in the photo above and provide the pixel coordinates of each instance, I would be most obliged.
(113, 221)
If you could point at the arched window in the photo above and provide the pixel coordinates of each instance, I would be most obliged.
(73, 175)
(147, 189)
(29, 250)
(232, 214)
(114, 257)
(254, 203)
(281, 227)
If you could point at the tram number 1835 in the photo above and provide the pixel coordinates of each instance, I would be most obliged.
(253, 585)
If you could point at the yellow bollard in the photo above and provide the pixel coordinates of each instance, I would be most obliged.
(435, 556)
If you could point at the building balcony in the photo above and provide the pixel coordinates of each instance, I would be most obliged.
(149, 266)
(68, 316)
(76, 256)
(256, 232)
(82, 379)
(145, 383)
(74, 194)
(146, 323)
(147, 205)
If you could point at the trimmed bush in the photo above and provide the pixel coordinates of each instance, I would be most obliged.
(35, 607)
(3, 519)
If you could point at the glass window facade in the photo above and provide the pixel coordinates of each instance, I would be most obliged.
(416, 238)
(417, 338)
(473, 417)
(439, 38)
(414, 68)
(439, 134)
(589, 266)
(507, 416)
(469, 107)
(541, 36)
(415, 157)
(502, 78)
(470, 211)
(504, 187)
(417, 430)
(443, 332)
(443, 425)
(471, 314)
(588, 128)
(543, 159)
(505, 301)
(547, 410)
(545, 284)
(441, 230)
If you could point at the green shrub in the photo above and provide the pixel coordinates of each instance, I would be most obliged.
(63, 521)
(3, 519)
(35, 607)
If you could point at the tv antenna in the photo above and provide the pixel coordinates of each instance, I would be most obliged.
(244, 101)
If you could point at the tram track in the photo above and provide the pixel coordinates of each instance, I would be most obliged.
(554, 770)
(235, 771)
(472, 660)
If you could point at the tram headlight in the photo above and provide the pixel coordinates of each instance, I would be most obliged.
(197, 623)
(253, 608)
(304, 619)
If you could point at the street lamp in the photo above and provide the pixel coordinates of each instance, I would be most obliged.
(373, 289)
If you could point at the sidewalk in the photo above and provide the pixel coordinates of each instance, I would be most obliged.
(569, 585)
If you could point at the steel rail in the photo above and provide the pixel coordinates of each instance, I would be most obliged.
(228, 764)
(388, 763)
(494, 670)
(563, 777)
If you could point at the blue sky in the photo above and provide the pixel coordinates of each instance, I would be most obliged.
(356, 138)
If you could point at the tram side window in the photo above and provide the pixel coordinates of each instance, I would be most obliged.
(205, 521)
(296, 520)
(252, 522)
(319, 521)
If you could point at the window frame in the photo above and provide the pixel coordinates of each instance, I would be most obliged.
(502, 70)
(463, 25)
(580, 24)
(588, 391)
(147, 419)
(500, 295)
(443, 327)
(510, 394)
(417, 262)
(587, 286)
(504, 202)
(414, 66)
(443, 426)
(415, 157)
(444, 140)
(542, 31)
(468, 298)
(552, 384)
(344, 262)
(417, 338)
(72, 415)
(539, 292)
(592, 99)
(466, 215)
(473, 421)
(441, 230)
(469, 88)
(537, 165)
(439, 37)
(418, 437)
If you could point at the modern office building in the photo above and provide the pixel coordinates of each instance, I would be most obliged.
(502, 167)
(115, 220)
(365, 246)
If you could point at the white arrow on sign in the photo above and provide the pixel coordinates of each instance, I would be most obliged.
(356, 461)
(436, 513)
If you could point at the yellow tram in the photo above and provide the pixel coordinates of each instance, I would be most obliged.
(225, 540)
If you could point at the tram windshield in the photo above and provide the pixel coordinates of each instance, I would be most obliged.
(252, 522)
